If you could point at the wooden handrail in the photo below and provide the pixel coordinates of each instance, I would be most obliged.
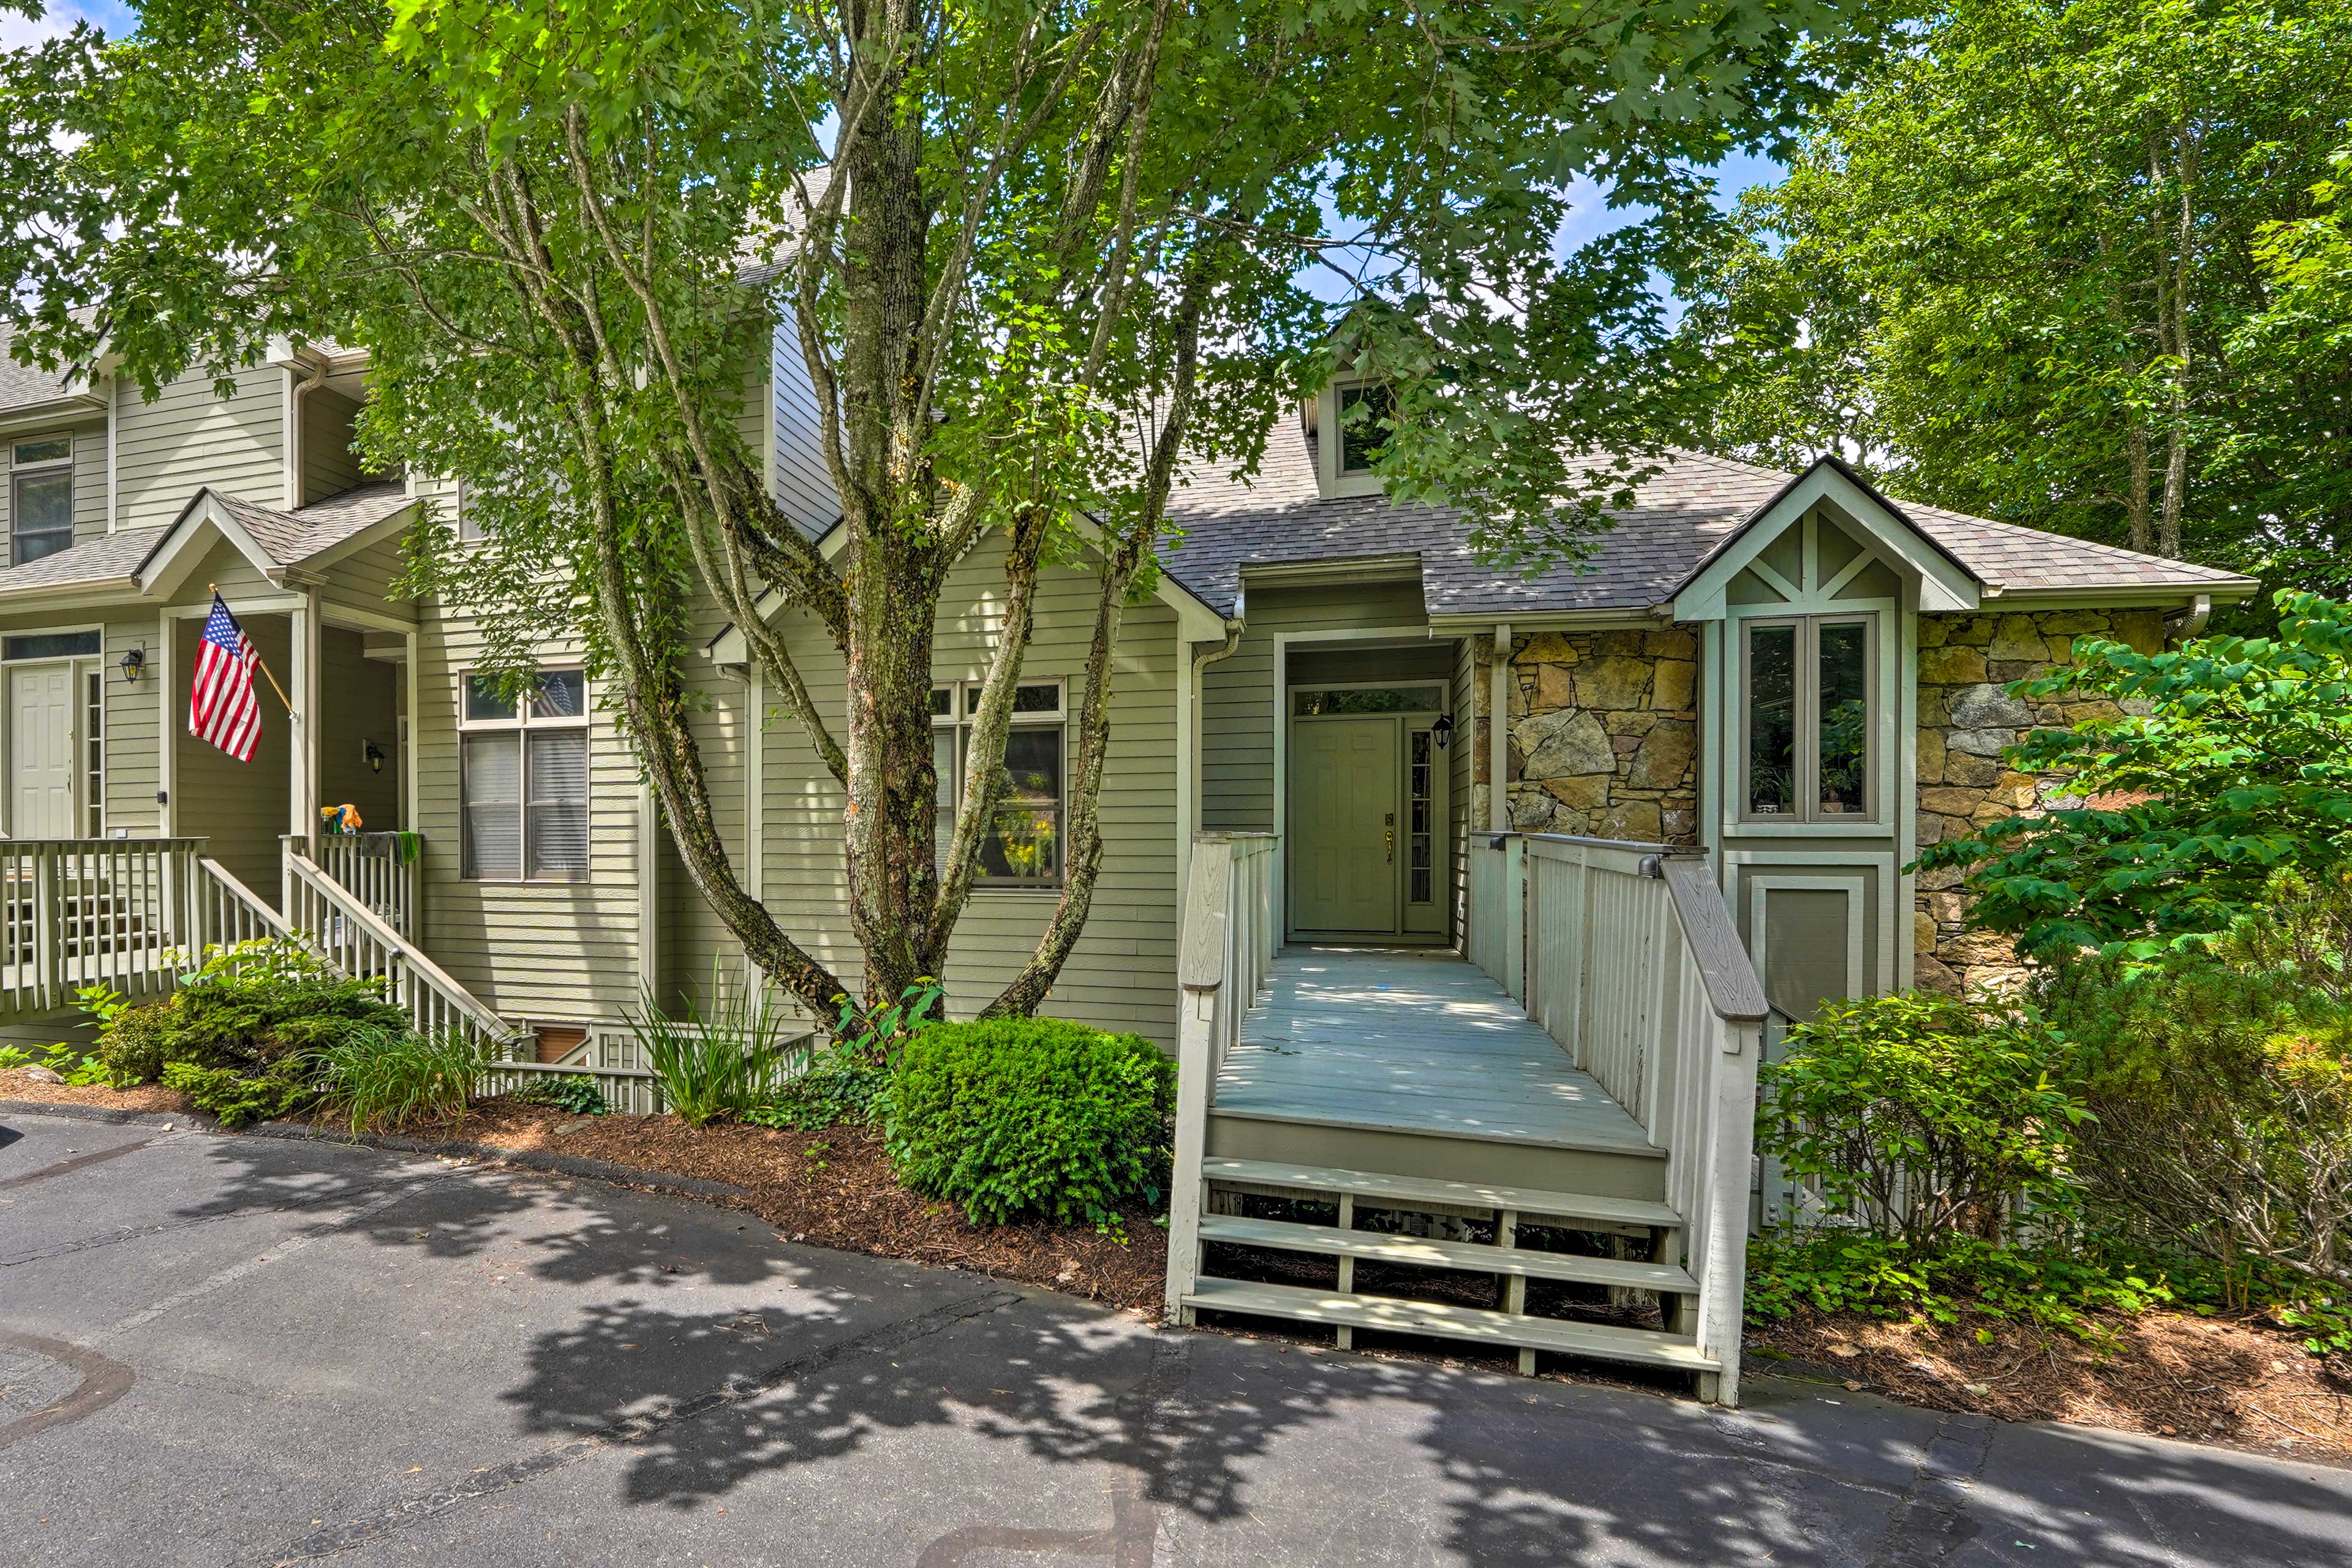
(1732, 988)
(456, 996)
(244, 895)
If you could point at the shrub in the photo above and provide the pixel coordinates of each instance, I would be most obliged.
(578, 1095)
(243, 1007)
(387, 1080)
(2221, 1080)
(728, 1064)
(1031, 1116)
(1877, 1276)
(2225, 759)
(237, 1099)
(1924, 1114)
(841, 1085)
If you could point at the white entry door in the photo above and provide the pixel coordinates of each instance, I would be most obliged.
(41, 751)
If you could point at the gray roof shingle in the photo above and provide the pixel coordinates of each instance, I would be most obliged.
(1676, 521)
(288, 538)
(25, 385)
(109, 558)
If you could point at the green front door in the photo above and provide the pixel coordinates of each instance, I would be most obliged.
(1341, 825)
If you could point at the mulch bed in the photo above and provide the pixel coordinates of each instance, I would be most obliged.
(828, 1189)
(2240, 1380)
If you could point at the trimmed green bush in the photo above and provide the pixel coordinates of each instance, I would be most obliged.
(1923, 1115)
(237, 1100)
(1019, 1118)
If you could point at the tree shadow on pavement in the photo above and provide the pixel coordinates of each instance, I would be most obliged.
(960, 1387)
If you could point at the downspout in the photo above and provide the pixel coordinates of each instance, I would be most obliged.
(305, 378)
(2192, 621)
(1499, 734)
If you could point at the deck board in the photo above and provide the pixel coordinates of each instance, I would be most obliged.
(1414, 1039)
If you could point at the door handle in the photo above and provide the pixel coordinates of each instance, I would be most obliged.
(1388, 842)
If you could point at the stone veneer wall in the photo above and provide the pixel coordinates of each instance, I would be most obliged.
(1965, 719)
(1604, 734)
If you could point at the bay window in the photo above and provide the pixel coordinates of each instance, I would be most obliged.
(1806, 685)
(1023, 844)
(523, 776)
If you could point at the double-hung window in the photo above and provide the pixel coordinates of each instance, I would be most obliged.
(523, 773)
(1023, 844)
(40, 498)
(1810, 750)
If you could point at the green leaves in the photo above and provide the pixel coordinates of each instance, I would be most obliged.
(2233, 758)
(2025, 262)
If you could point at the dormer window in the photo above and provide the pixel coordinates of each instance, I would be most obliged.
(1350, 422)
(1366, 418)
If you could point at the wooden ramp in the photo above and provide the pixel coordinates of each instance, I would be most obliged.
(1415, 1041)
(1402, 1112)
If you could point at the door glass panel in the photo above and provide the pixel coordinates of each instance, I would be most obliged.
(1421, 869)
(1844, 757)
(1316, 702)
(1771, 721)
(1807, 948)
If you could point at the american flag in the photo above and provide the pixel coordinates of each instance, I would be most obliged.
(222, 707)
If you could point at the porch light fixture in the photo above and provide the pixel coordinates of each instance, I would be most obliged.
(132, 663)
(1443, 731)
(374, 755)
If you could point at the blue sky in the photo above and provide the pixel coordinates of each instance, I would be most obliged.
(111, 18)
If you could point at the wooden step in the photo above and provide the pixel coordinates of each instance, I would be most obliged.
(1419, 1252)
(1405, 1191)
(1391, 1315)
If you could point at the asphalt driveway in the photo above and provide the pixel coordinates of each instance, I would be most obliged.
(242, 1351)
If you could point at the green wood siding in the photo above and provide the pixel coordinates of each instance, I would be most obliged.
(188, 438)
(1123, 972)
(1237, 692)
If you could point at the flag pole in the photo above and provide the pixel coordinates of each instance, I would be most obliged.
(260, 663)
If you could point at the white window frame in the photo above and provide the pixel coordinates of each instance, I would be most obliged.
(1807, 740)
(521, 724)
(1331, 476)
(959, 719)
(18, 469)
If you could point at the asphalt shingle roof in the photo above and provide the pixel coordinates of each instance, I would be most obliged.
(109, 558)
(292, 538)
(288, 538)
(23, 386)
(1676, 521)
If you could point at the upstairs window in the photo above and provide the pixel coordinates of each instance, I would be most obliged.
(1023, 846)
(40, 498)
(1807, 686)
(523, 776)
(1367, 419)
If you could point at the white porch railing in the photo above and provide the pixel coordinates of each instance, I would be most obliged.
(359, 941)
(1232, 931)
(1628, 957)
(93, 911)
(368, 866)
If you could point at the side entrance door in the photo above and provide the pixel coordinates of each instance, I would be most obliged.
(1342, 826)
(41, 751)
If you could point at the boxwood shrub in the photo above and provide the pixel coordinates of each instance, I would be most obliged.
(1020, 1117)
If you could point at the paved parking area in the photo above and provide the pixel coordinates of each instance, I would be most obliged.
(228, 1350)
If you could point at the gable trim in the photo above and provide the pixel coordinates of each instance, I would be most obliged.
(1945, 585)
(178, 554)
